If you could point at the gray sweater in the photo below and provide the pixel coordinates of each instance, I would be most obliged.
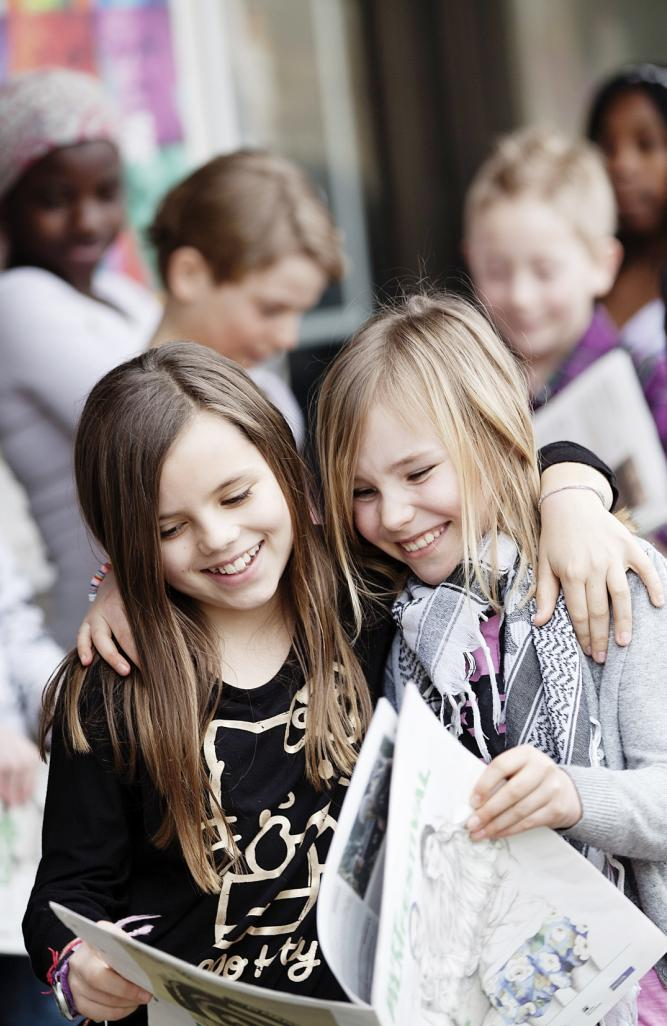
(625, 802)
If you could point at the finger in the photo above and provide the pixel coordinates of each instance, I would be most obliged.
(98, 1011)
(511, 793)
(126, 642)
(574, 593)
(498, 772)
(619, 592)
(95, 982)
(598, 617)
(84, 646)
(546, 594)
(643, 567)
(529, 812)
(104, 643)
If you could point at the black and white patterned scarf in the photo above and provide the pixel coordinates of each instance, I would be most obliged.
(545, 705)
(439, 630)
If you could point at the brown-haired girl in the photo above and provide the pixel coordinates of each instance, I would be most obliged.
(248, 709)
(245, 246)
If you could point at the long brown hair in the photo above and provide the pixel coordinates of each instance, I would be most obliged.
(441, 355)
(244, 211)
(130, 420)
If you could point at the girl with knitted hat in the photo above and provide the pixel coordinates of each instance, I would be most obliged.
(64, 321)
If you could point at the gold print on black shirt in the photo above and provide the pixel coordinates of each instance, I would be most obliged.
(250, 908)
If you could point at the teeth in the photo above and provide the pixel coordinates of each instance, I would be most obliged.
(239, 564)
(422, 541)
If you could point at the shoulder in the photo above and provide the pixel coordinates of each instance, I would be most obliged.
(22, 283)
(127, 294)
(281, 395)
(644, 334)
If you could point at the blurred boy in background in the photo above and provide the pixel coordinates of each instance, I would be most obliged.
(540, 219)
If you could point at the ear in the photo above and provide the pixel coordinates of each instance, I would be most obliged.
(608, 256)
(188, 275)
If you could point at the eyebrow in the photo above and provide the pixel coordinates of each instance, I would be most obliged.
(231, 482)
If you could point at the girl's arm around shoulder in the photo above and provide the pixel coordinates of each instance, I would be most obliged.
(625, 803)
(86, 847)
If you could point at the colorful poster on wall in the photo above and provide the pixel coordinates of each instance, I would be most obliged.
(128, 44)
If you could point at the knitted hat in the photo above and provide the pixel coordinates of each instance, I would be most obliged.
(41, 111)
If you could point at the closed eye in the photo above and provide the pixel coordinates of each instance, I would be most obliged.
(419, 475)
(236, 500)
(170, 532)
(363, 494)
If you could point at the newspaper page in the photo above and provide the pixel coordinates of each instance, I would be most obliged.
(20, 850)
(491, 932)
(605, 410)
(185, 995)
(348, 905)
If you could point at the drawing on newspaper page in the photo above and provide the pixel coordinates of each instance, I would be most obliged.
(519, 931)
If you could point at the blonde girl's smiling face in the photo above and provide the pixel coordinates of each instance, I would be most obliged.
(406, 497)
(225, 527)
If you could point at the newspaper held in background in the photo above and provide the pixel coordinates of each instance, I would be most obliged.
(20, 850)
(605, 410)
(421, 926)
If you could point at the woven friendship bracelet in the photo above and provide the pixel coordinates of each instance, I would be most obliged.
(58, 977)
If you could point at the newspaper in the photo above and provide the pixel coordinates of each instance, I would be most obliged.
(605, 410)
(20, 850)
(421, 926)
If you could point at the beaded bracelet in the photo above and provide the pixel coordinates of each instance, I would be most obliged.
(97, 579)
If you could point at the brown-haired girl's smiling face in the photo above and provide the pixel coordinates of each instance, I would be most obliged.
(66, 210)
(633, 138)
(225, 525)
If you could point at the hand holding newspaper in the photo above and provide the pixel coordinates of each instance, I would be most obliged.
(421, 926)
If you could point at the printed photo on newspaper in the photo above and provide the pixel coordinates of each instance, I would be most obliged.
(420, 925)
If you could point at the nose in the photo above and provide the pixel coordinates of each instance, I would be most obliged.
(87, 217)
(622, 162)
(287, 333)
(216, 533)
(520, 291)
(396, 512)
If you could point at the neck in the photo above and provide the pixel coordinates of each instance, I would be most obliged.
(254, 644)
(649, 249)
(174, 325)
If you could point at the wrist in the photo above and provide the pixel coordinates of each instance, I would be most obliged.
(561, 474)
(573, 810)
(581, 488)
(58, 977)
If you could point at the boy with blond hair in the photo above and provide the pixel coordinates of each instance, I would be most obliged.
(540, 218)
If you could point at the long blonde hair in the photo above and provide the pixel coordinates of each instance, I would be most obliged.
(160, 713)
(441, 356)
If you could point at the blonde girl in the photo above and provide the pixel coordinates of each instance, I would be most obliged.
(431, 482)
(245, 716)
